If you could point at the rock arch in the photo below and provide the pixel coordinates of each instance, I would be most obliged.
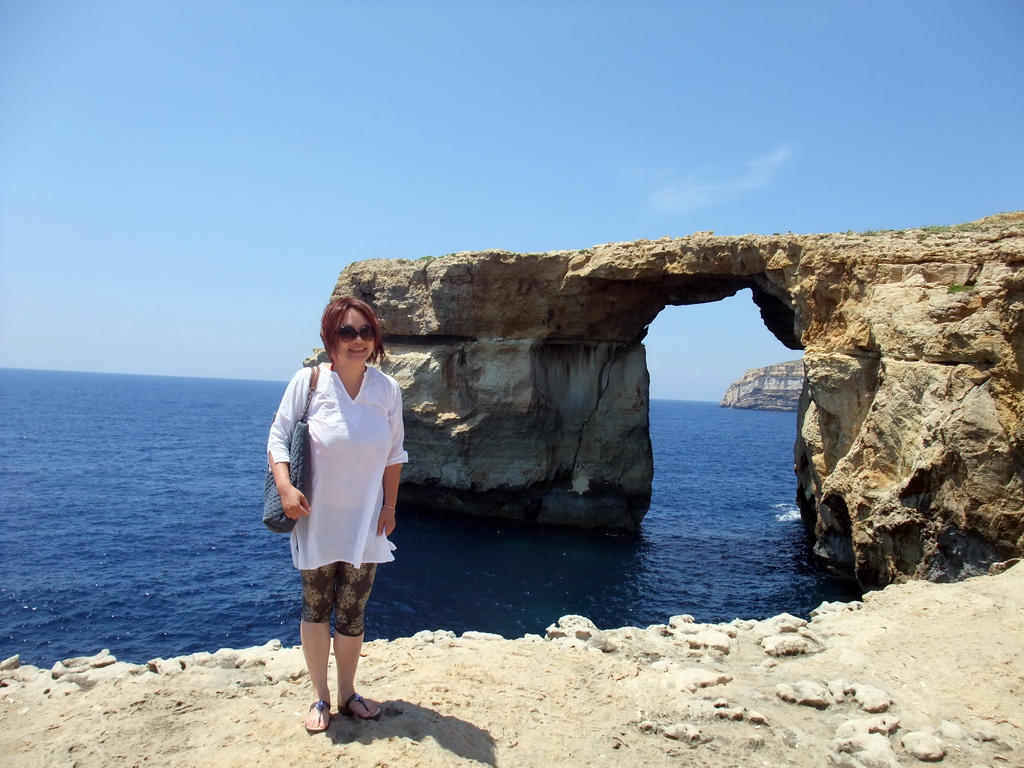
(526, 387)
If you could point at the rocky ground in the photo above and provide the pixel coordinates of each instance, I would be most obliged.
(919, 672)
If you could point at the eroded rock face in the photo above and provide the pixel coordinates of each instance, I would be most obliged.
(526, 387)
(769, 388)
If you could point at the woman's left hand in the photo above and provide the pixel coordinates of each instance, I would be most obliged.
(386, 521)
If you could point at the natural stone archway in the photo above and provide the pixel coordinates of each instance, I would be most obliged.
(526, 387)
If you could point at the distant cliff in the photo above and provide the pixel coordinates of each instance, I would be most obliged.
(772, 388)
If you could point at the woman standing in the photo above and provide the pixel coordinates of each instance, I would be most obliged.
(356, 444)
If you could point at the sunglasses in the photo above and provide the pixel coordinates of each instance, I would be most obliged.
(348, 333)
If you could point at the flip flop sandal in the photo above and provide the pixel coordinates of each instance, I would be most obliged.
(324, 710)
(349, 712)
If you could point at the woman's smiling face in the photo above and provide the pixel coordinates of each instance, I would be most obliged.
(356, 350)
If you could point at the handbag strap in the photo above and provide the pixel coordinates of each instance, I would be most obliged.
(314, 377)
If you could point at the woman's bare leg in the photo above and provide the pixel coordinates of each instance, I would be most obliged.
(316, 647)
(346, 656)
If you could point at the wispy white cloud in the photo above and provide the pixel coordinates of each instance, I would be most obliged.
(693, 192)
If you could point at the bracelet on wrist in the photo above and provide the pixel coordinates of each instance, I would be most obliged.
(388, 506)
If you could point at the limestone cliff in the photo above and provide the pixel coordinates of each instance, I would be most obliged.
(769, 388)
(526, 387)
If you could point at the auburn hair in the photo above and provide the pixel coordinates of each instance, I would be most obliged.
(333, 320)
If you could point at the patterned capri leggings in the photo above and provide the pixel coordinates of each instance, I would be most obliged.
(341, 586)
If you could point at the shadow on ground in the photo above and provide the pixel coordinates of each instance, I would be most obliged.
(406, 720)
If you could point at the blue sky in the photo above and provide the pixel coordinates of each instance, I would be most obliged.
(181, 182)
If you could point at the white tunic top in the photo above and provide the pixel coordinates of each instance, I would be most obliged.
(351, 442)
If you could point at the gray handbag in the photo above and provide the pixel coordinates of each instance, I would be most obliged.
(299, 468)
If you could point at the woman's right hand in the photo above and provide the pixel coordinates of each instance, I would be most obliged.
(294, 502)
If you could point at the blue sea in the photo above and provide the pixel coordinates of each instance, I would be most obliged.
(131, 521)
